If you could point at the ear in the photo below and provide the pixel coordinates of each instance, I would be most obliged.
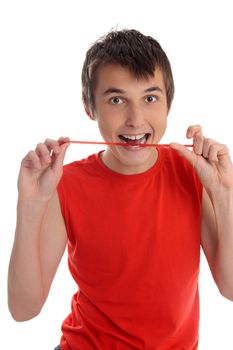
(89, 112)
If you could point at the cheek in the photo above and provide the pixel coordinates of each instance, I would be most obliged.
(159, 131)
(164, 125)
(108, 122)
(160, 126)
(159, 120)
(106, 126)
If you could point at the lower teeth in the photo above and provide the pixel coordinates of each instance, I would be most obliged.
(134, 143)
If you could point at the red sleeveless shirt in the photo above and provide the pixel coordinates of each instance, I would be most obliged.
(134, 252)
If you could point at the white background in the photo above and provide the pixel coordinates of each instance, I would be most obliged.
(42, 47)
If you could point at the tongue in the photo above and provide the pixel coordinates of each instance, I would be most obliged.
(132, 141)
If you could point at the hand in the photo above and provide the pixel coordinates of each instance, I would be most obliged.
(41, 170)
(210, 159)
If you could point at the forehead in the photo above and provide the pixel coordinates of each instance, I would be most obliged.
(116, 76)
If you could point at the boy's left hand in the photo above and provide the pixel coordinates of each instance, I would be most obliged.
(210, 159)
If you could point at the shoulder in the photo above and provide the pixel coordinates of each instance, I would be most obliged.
(175, 162)
(180, 170)
(79, 174)
(81, 168)
(81, 164)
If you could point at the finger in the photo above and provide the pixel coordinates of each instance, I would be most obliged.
(31, 160)
(208, 149)
(213, 153)
(63, 139)
(52, 145)
(187, 154)
(43, 152)
(195, 132)
(192, 129)
(219, 152)
(59, 158)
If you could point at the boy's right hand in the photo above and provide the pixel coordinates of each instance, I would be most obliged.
(41, 170)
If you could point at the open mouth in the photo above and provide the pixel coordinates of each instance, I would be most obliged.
(134, 140)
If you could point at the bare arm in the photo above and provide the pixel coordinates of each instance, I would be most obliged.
(214, 167)
(217, 238)
(40, 236)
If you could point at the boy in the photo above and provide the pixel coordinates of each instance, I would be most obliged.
(133, 217)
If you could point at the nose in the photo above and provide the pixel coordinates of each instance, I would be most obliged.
(134, 117)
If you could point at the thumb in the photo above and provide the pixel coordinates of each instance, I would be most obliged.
(190, 156)
(58, 161)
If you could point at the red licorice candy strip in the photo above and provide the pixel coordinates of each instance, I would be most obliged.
(123, 144)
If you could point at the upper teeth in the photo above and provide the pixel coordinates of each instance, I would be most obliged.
(134, 137)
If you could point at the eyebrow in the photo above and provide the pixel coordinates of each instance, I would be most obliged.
(113, 90)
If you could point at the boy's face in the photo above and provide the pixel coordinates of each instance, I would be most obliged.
(127, 108)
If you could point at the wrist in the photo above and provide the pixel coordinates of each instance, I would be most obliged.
(220, 192)
(31, 209)
(222, 199)
(35, 198)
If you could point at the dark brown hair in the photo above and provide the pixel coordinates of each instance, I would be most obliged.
(131, 49)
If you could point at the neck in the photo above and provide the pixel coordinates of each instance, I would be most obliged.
(116, 165)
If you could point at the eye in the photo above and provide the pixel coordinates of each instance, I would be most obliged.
(116, 100)
(151, 99)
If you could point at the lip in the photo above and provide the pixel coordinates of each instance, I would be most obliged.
(130, 148)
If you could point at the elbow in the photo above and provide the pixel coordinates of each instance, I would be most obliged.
(225, 287)
(24, 306)
(224, 281)
(226, 292)
(24, 312)
(23, 315)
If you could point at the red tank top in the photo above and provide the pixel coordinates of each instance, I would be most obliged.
(134, 252)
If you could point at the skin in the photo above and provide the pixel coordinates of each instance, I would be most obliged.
(213, 164)
(41, 237)
(128, 106)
